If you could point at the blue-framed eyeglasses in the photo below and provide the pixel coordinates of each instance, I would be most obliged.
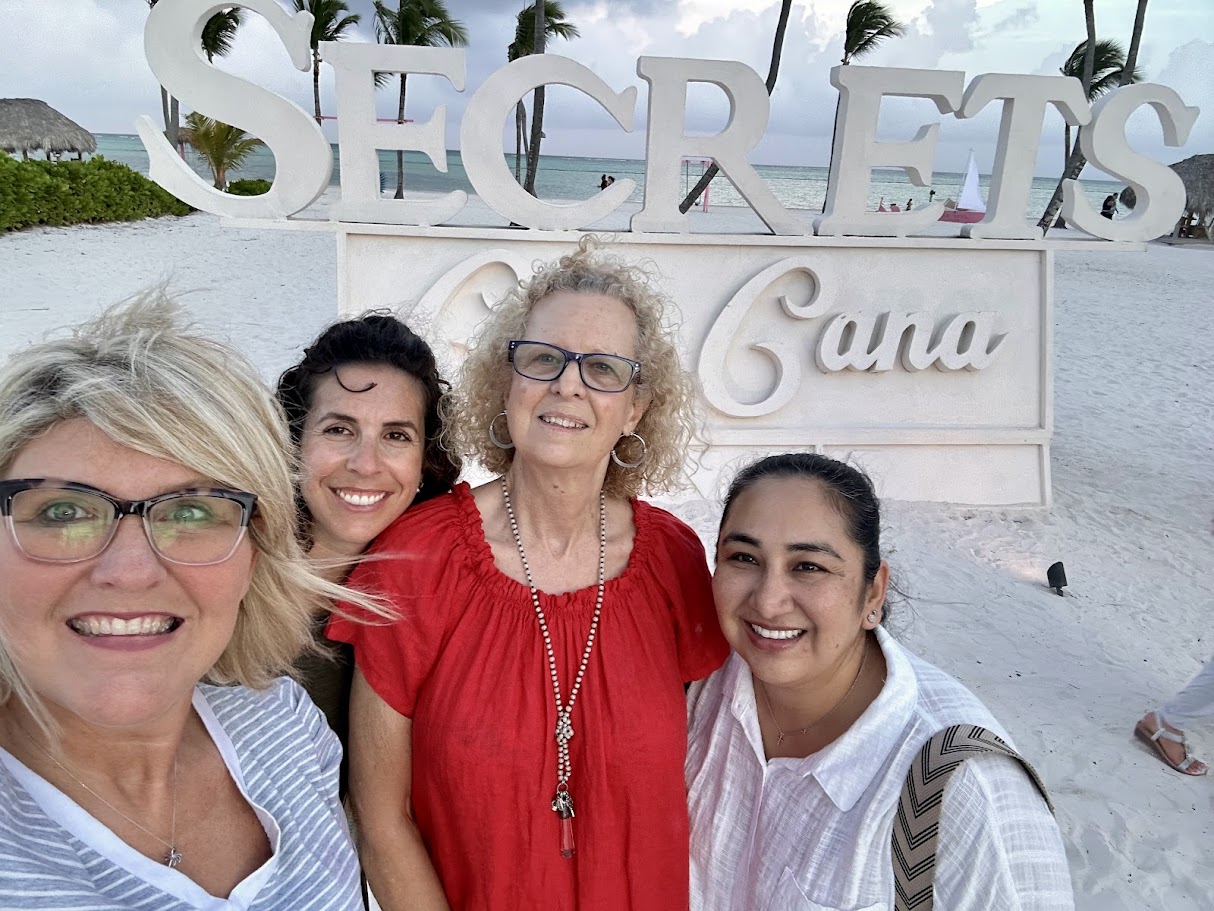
(545, 362)
(68, 522)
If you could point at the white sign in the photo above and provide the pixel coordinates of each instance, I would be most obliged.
(927, 359)
(172, 41)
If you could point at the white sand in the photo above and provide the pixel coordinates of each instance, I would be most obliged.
(1132, 461)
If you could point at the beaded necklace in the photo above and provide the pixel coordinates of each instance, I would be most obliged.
(562, 803)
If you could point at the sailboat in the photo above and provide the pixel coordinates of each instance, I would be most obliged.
(969, 206)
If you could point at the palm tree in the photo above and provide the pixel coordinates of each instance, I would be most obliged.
(220, 32)
(1128, 72)
(222, 147)
(777, 49)
(524, 44)
(1109, 61)
(424, 23)
(328, 24)
(869, 22)
(537, 101)
(217, 37)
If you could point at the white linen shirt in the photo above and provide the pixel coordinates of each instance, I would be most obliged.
(813, 834)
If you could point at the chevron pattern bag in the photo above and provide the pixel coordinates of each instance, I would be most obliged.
(917, 824)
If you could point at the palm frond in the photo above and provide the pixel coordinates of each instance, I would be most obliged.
(869, 22)
(555, 26)
(219, 33)
(1106, 73)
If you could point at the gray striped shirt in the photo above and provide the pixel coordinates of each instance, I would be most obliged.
(282, 756)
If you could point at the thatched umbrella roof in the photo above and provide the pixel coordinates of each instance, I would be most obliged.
(27, 124)
(1197, 173)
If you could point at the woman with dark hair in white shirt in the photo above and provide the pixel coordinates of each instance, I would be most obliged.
(799, 746)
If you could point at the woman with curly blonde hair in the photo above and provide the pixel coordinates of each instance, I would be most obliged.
(549, 620)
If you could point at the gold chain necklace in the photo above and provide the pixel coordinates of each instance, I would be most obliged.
(173, 858)
(562, 803)
(813, 724)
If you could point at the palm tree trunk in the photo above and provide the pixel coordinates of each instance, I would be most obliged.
(520, 141)
(1066, 145)
(164, 109)
(1076, 160)
(777, 49)
(175, 125)
(316, 83)
(537, 105)
(1131, 57)
(400, 155)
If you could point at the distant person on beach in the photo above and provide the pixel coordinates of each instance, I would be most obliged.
(931, 194)
(363, 410)
(1163, 728)
(610, 180)
(893, 207)
(909, 204)
(799, 747)
(153, 754)
(517, 737)
(1109, 209)
(603, 182)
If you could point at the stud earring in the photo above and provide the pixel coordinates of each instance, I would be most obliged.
(872, 617)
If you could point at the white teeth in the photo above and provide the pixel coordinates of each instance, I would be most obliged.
(117, 626)
(361, 499)
(562, 422)
(775, 633)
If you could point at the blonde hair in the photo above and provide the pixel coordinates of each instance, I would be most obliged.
(662, 383)
(147, 379)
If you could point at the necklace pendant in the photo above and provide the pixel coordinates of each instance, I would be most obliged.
(173, 858)
(562, 805)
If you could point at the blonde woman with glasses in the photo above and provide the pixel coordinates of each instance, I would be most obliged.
(152, 592)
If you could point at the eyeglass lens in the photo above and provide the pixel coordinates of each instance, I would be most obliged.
(51, 523)
(604, 372)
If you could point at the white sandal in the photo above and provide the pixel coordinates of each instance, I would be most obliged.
(1152, 738)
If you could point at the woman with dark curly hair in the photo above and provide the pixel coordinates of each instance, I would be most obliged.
(548, 622)
(363, 410)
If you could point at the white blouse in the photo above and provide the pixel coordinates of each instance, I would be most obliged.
(813, 834)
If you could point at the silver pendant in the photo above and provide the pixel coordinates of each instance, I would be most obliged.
(173, 858)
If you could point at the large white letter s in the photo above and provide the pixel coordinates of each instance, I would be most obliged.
(172, 41)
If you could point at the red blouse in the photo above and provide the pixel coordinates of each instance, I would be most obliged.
(466, 663)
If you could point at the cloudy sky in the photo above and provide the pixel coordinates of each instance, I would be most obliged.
(85, 57)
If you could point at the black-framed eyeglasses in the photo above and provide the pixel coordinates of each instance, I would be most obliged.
(545, 362)
(68, 522)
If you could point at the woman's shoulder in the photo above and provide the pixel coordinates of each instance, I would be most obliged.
(244, 712)
(943, 700)
(663, 530)
(447, 516)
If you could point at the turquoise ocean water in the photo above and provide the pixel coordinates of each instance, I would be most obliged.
(562, 177)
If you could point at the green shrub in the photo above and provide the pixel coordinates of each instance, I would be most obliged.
(74, 192)
(249, 187)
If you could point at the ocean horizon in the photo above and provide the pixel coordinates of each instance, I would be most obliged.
(570, 177)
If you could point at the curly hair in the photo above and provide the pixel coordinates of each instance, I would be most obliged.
(662, 383)
(374, 338)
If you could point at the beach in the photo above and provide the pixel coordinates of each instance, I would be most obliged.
(1132, 462)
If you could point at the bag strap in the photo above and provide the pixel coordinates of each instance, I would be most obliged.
(917, 824)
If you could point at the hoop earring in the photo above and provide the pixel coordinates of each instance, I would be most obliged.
(640, 461)
(493, 438)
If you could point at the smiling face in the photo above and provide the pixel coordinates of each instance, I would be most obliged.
(362, 454)
(561, 423)
(789, 583)
(119, 639)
